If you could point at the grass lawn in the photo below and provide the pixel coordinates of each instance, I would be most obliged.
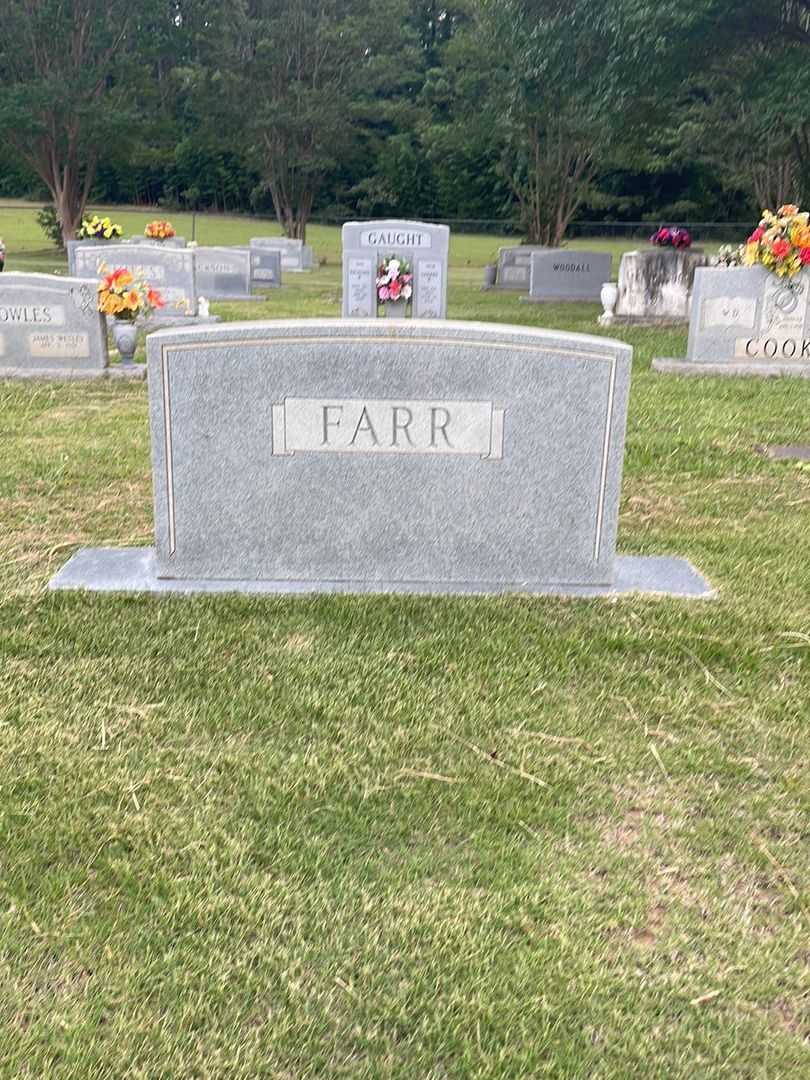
(410, 837)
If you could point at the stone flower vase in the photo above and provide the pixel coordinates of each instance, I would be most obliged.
(125, 336)
(395, 309)
(609, 294)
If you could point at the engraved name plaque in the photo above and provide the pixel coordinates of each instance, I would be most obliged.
(327, 425)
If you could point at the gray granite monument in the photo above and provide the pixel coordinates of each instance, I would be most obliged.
(746, 321)
(514, 266)
(421, 456)
(563, 274)
(425, 247)
(50, 327)
(223, 273)
(169, 270)
(265, 267)
(72, 246)
(296, 256)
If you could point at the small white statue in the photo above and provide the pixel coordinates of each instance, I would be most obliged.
(202, 307)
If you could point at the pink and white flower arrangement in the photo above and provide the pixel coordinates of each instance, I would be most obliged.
(394, 280)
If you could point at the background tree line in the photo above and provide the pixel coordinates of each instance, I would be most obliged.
(534, 112)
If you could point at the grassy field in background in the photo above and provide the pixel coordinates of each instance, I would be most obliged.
(406, 837)
(27, 248)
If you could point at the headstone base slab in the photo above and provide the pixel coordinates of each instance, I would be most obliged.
(648, 320)
(135, 570)
(555, 300)
(727, 368)
(164, 322)
(221, 298)
(53, 374)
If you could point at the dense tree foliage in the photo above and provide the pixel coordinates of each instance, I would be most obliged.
(531, 111)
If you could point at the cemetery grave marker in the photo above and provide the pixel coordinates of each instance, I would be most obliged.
(562, 274)
(223, 273)
(514, 266)
(746, 321)
(323, 455)
(296, 256)
(50, 327)
(425, 247)
(170, 270)
(265, 266)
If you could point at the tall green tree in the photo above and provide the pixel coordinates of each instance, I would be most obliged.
(63, 91)
(299, 74)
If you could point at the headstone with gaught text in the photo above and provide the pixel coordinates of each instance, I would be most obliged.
(50, 327)
(366, 244)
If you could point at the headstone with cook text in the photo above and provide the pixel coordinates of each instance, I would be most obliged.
(50, 327)
(748, 321)
(366, 244)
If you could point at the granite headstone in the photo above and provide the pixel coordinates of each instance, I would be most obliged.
(514, 266)
(296, 256)
(348, 456)
(747, 321)
(265, 266)
(50, 327)
(223, 273)
(656, 285)
(426, 247)
(563, 274)
(169, 270)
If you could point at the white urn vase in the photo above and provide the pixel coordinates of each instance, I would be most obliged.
(608, 294)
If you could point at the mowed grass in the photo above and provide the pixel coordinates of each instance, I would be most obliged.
(400, 836)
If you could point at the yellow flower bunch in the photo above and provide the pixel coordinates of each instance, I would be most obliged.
(97, 228)
(159, 230)
(124, 296)
(781, 241)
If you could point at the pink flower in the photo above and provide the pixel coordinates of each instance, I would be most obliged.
(384, 293)
(756, 235)
(781, 248)
(804, 255)
(395, 290)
